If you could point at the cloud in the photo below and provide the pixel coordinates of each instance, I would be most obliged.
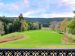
(70, 3)
(11, 6)
(28, 14)
(26, 3)
(14, 6)
(39, 8)
(31, 12)
(49, 15)
(1, 4)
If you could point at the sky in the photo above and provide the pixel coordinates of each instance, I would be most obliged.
(37, 8)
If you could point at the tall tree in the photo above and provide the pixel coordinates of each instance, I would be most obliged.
(63, 25)
(23, 23)
(21, 17)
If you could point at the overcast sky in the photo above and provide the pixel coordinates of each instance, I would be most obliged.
(37, 8)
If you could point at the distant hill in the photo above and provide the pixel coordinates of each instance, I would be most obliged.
(45, 20)
(40, 20)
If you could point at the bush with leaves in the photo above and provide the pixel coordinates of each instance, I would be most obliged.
(71, 26)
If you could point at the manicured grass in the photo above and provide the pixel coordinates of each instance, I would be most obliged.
(35, 39)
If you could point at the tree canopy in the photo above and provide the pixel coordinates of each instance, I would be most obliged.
(71, 26)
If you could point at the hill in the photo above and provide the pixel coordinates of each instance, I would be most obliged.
(46, 20)
(40, 20)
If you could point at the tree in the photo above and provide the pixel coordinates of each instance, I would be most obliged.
(21, 17)
(10, 28)
(1, 28)
(22, 23)
(40, 25)
(63, 25)
(35, 25)
(57, 26)
(71, 26)
(16, 26)
(53, 25)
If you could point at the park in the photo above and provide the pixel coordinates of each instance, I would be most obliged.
(22, 34)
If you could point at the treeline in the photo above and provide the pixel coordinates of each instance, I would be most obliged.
(64, 26)
(59, 26)
(8, 25)
(47, 20)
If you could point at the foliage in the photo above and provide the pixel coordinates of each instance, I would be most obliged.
(18, 24)
(63, 25)
(21, 17)
(9, 28)
(35, 26)
(71, 26)
(6, 19)
(1, 28)
(24, 25)
(54, 25)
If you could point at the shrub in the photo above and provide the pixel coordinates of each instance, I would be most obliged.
(71, 26)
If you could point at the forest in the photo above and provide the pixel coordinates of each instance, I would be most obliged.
(9, 25)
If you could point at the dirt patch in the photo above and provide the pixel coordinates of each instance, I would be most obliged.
(67, 40)
(11, 38)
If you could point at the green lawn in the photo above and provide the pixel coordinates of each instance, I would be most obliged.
(37, 39)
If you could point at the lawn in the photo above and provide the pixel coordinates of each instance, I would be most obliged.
(37, 39)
